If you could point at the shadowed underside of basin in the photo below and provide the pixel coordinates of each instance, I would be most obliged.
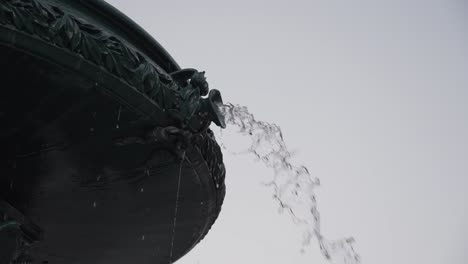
(76, 76)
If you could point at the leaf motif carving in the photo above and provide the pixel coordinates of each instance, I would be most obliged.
(5, 13)
(55, 25)
(17, 19)
(91, 47)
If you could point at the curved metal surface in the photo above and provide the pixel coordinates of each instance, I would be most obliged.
(62, 106)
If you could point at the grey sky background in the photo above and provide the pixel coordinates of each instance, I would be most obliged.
(371, 96)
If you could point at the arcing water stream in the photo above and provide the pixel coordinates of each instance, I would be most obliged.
(293, 186)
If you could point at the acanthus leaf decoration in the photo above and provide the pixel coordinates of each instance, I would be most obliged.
(60, 28)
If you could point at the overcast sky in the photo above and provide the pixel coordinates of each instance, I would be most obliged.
(371, 96)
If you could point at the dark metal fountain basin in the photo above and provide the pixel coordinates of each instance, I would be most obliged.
(76, 76)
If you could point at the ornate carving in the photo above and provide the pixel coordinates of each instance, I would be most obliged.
(171, 138)
(17, 234)
(63, 29)
(176, 140)
(179, 94)
(211, 151)
(181, 98)
(196, 113)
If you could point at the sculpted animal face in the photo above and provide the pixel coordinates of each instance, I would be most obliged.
(198, 80)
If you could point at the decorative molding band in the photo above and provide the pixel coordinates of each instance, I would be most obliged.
(61, 28)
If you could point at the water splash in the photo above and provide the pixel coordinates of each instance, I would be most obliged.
(293, 186)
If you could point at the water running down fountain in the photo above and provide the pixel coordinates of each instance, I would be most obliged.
(293, 186)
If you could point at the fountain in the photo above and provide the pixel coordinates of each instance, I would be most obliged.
(106, 153)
